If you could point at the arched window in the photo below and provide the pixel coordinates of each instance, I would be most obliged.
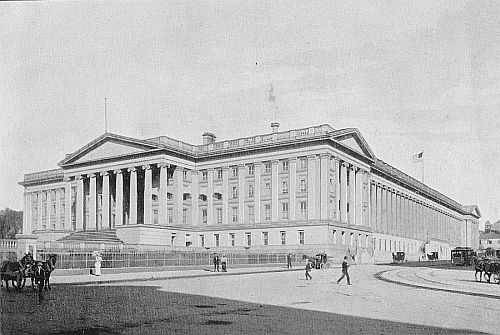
(186, 196)
(202, 197)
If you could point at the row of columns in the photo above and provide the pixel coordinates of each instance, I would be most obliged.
(328, 194)
(399, 214)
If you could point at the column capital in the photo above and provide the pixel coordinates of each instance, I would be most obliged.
(335, 158)
(241, 166)
(146, 167)
(91, 175)
(311, 156)
(66, 179)
(225, 168)
(292, 159)
(325, 155)
(118, 171)
(104, 173)
(132, 169)
(78, 177)
(163, 165)
(274, 162)
(256, 164)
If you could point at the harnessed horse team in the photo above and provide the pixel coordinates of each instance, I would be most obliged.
(27, 267)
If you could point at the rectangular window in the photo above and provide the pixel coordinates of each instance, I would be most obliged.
(284, 165)
(265, 238)
(184, 215)
(170, 215)
(204, 215)
(250, 191)
(155, 216)
(231, 239)
(303, 163)
(53, 209)
(235, 214)
(251, 213)
(267, 212)
(343, 237)
(267, 166)
(204, 175)
(235, 192)
(219, 215)
(235, 171)
(268, 188)
(172, 239)
(303, 210)
(184, 174)
(249, 239)
(53, 227)
(63, 208)
(251, 170)
(216, 239)
(283, 237)
(219, 173)
(301, 237)
(284, 187)
(303, 186)
(284, 206)
(202, 241)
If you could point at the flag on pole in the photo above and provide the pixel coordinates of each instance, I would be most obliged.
(418, 157)
(272, 98)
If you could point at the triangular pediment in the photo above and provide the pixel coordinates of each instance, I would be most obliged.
(352, 139)
(107, 146)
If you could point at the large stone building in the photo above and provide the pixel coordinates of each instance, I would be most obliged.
(315, 189)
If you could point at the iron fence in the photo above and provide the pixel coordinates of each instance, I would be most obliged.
(155, 259)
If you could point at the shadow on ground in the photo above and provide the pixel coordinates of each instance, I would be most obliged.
(90, 310)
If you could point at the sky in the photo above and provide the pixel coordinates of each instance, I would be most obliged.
(410, 75)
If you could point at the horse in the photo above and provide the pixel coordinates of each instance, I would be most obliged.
(15, 271)
(482, 266)
(47, 266)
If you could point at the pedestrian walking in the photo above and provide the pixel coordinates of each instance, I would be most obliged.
(289, 261)
(223, 262)
(216, 262)
(308, 269)
(97, 264)
(345, 265)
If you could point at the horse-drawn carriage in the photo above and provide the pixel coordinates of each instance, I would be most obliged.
(320, 261)
(462, 256)
(487, 267)
(398, 257)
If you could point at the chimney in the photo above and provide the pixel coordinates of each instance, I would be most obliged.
(275, 126)
(208, 138)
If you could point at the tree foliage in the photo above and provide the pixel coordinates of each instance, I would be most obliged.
(11, 223)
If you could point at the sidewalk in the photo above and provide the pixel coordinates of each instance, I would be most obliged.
(114, 275)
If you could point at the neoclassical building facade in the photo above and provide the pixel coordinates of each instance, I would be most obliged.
(315, 189)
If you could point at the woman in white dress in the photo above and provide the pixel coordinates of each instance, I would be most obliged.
(97, 265)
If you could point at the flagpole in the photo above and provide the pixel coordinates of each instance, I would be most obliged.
(105, 116)
(423, 167)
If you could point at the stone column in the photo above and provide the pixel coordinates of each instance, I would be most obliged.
(311, 187)
(366, 199)
(384, 215)
(241, 193)
(351, 218)
(58, 209)
(292, 191)
(394, 213)
(119, 198)
(25, 214)
(336, 185)
(179, 195)
(133, 196)
(359, 197)
(210, 196)
(324, 186)
(225, 195)
(343, 192)
(373, 202)
(28, 224)
(148, 194)
(378, 225)
(162, 195)
(80, 198)
(257, 171)
(92, 225)
(49, 210)
(67, 205)
(105, 200)
(40, 209)
(195, 208)
(274, 191)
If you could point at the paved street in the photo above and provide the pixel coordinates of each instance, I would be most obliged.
(280, 302)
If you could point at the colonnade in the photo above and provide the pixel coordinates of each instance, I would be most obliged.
(313, 187)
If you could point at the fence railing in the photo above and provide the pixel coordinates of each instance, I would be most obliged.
(125, 259)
